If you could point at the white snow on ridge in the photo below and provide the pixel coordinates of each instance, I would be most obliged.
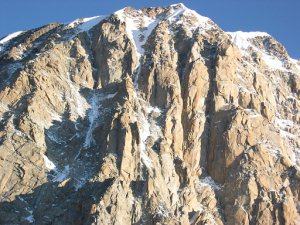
(176, 13)
(138, 28)
(6, 39)
(242, 39)
(178, 10)
(85, 24)
(10, 36)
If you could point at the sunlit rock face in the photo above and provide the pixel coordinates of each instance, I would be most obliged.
(150, 116)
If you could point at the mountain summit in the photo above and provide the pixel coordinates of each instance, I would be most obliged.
(150, 116)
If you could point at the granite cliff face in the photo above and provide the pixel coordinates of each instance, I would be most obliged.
(151, 116)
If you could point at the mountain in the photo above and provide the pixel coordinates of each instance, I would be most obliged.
(150, 116)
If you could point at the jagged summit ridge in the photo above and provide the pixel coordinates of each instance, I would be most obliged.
(148, 116)
(171, 13)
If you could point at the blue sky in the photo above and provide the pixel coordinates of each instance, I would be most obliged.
(280, 18)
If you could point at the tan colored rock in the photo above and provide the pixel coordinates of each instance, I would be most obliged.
(148, 118)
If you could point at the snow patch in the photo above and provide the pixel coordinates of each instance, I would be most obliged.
(273, 62)
(151, 109)
(208, 182)
(59, 175)
(10, 36)
(93, 116)
(79, 105)
(252, 113)
(144, 134)
(291, 97)
(48, 163)
(162, 211)
(275, 152)
(148, 128)
(283, 124)
(145, 158)
(290, 131)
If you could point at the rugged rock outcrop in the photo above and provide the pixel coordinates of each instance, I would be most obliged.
(150, 116)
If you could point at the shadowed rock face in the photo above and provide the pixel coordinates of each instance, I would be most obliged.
(151, 116)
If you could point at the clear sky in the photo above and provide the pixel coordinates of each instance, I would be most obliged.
(280, 18)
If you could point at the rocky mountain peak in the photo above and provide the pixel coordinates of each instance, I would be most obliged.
(148, 116)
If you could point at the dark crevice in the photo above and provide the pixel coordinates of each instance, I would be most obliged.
(210, 51)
